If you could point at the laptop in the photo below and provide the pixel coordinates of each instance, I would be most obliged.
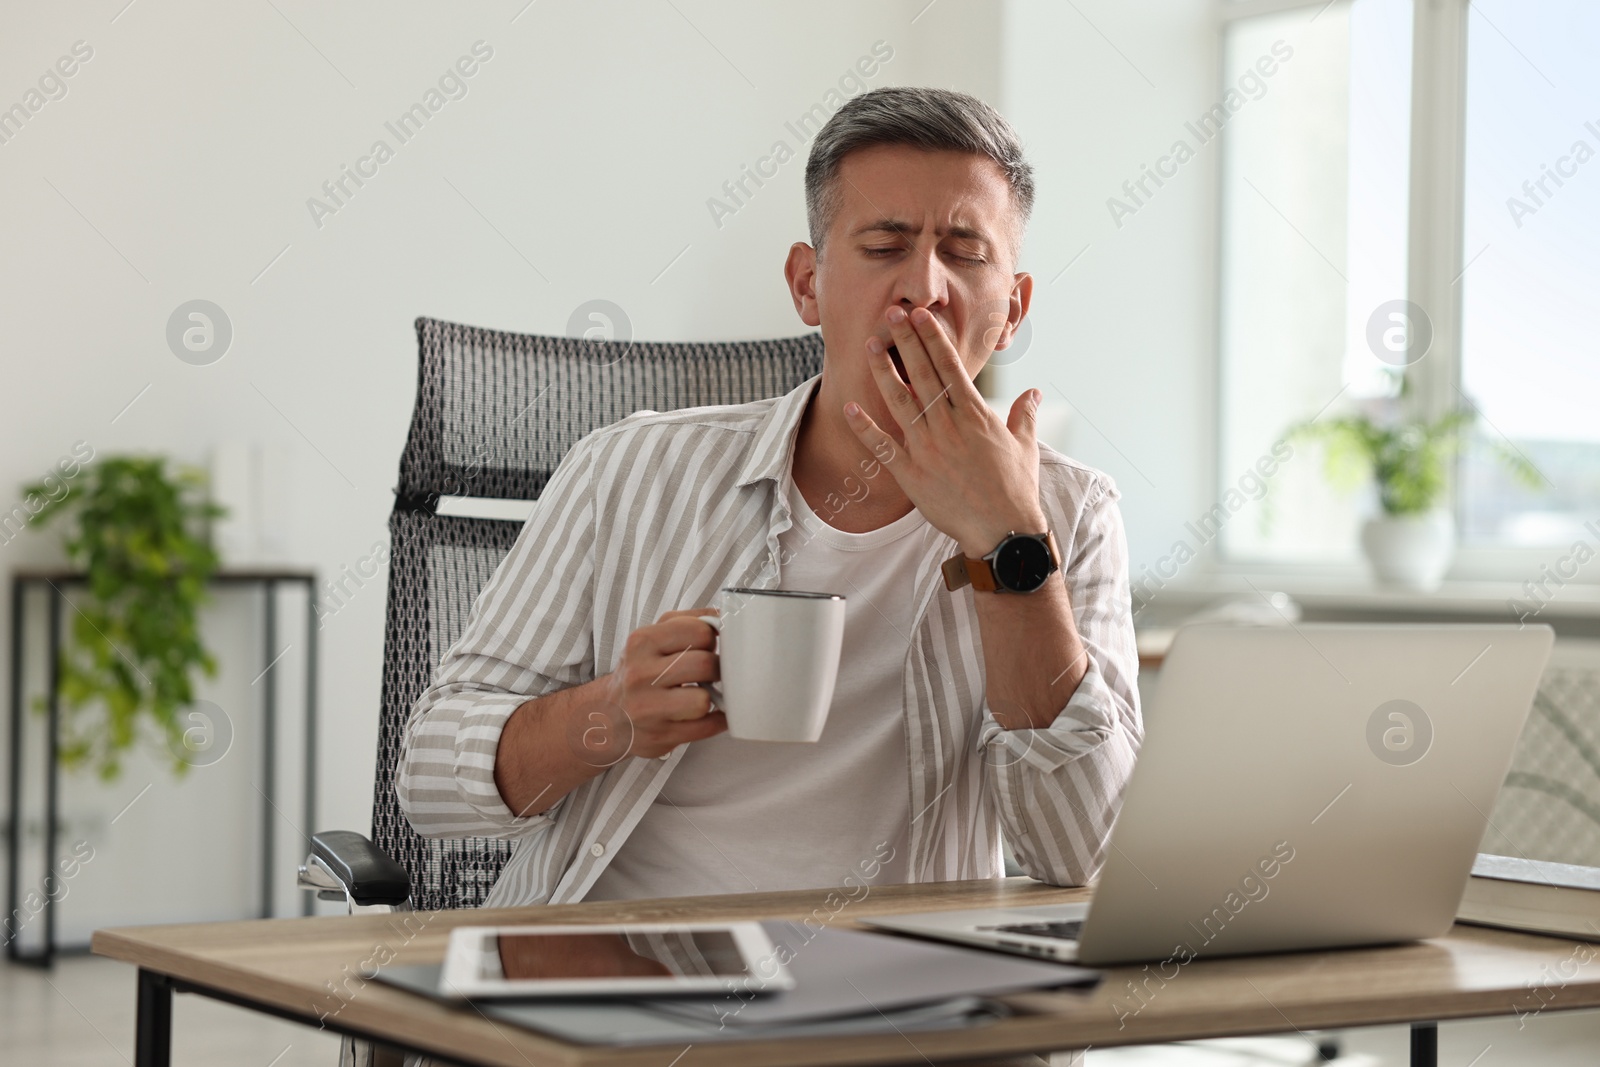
(1300, 787)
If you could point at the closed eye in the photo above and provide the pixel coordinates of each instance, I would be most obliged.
(879, 253)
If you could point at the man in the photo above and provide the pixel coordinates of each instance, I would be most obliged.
(569, 717)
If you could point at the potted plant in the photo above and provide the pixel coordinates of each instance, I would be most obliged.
(141, 536)
(1411, 541)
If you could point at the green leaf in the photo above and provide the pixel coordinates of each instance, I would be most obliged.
(1409, 462)
(140, 534)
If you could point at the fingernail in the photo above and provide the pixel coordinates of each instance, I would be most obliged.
(874, 346)
(897, 315)
(919, 315)
(852, 409)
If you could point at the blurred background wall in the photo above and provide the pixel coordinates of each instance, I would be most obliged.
(187, 160)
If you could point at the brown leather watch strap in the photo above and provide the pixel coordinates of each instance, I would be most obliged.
(960, 570)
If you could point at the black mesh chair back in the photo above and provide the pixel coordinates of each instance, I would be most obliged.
(495, 414)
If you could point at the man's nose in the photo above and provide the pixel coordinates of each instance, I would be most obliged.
(923, 281)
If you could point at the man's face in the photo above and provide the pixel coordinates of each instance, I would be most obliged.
(935, 230)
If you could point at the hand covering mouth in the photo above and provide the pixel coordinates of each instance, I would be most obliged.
(899, 367)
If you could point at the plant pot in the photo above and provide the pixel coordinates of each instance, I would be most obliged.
(1411, 551)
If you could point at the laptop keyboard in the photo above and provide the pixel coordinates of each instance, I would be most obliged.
(1065, 931)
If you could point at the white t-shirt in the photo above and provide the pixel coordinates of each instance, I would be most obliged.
(742, 816)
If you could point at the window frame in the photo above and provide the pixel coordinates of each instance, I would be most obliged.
(1435, 262)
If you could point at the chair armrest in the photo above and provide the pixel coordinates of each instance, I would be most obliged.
(366, 873)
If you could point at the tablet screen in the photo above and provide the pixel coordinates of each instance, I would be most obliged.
(535, 956)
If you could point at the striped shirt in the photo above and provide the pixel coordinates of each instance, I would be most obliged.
(658, 512)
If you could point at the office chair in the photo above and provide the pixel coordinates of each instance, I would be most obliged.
(495, 413)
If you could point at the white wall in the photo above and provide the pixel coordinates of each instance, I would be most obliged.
(1098, 89)
(578, 165)
(178, 166)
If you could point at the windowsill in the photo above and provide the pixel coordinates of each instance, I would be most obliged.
(1351, 588)
(1348, 593)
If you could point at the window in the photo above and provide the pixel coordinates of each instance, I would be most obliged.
(1313, 242)
(1530, 334)
(1314, 263)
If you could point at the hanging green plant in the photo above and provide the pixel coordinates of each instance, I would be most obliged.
(141, 536)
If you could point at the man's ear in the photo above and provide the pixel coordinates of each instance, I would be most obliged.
(1017, 306)
(800, 271)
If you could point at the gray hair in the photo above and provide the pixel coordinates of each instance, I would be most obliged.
(934, 120)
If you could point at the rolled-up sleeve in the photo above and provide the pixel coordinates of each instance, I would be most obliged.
(530, 634)
(1059, 787)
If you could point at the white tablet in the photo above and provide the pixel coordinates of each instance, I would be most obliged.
(634, 959)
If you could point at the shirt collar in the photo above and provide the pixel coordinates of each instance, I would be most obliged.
(773, 449)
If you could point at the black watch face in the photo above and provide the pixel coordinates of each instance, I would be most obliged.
(1022, 564)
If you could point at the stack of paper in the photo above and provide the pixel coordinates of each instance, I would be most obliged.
(847, 983)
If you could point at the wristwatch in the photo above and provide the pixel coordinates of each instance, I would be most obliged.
(1019, 564)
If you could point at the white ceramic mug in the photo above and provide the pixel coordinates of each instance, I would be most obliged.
(779, 653)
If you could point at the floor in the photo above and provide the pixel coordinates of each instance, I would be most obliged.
(81, 1015)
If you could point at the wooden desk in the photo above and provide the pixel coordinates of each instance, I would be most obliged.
(309, 970)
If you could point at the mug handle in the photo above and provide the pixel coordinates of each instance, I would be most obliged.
(715, 622)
